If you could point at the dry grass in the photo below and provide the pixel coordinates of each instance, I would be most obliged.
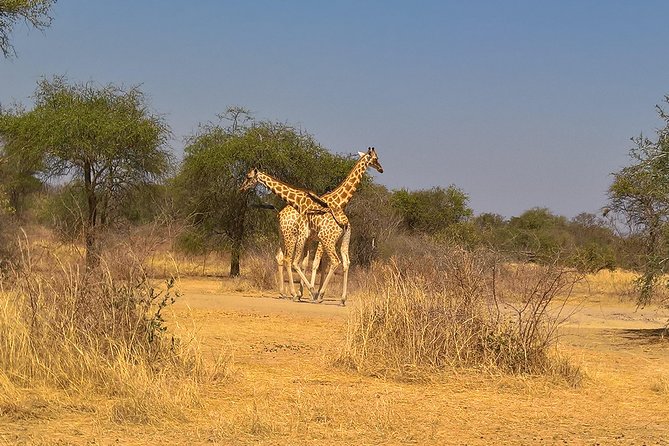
(261, 270)
(459, 309)
(72, 334)
(285, 390)
(660, 385)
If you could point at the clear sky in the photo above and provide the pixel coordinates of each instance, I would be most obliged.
(518, 103)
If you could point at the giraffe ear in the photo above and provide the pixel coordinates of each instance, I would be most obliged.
(361, 154)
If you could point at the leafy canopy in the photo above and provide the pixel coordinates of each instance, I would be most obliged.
(75, 127)
(431, 210)
(640, 195)
(33, 12)
(216, 161)
(102, 139)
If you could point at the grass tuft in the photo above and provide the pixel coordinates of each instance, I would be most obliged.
(99, 332)
(458, 308)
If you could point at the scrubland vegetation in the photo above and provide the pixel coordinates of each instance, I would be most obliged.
(99, 229)
(456, 308)
(91, 334)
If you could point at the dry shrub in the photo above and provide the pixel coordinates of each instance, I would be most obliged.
(99, 331)
(262, 268)
(8, 228)
(151, 246)
(455, 308)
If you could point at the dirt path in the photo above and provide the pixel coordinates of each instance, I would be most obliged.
(212, 295)
(283, 388)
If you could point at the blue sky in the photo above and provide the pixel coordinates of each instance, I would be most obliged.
(518, 103)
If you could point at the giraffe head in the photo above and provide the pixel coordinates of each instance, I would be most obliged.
(250, 180)
(373, 158)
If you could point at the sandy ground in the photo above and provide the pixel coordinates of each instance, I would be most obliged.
(283, 388)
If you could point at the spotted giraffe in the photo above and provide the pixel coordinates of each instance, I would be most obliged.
(306, 203)
(328, 224)
(295, 226)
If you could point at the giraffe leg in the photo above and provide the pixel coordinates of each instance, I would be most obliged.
(346, 262)
(320, 296)
(279, 262)
(316, 264)
(303, 278)
(329, 241)
(291, 285)
(305, 260)
(298, 255)
(305, 265)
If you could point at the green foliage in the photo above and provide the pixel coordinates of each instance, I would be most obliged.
(539, 234)
(596, 244)
(374, 223)
(5, 207)
(216, 162)
(34, 12)
(63, 209)
(155, 321)
(640, 195)
(490, 230)
(18, 181)
(7, 230)
(431, 211)
(72, 126)
(103, 137)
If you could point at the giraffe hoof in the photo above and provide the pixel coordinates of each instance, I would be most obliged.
(296, 298)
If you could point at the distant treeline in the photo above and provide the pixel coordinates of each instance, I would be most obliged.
(91, 161)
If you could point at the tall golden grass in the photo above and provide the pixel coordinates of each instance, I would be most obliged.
(456, 308)
(97, 333)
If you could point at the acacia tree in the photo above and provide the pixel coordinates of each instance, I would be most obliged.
(374, 221)
(33, 12)
(103, 139)
(217, 159)
(640, 195)
(431, 211)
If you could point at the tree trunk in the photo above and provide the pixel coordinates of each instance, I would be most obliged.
(90, 223)
(235, 255)
(237, 240)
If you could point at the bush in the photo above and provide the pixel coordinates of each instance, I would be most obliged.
(98, 330)
(262, 269)
(62, 208)
(455, 308)
(8, 230)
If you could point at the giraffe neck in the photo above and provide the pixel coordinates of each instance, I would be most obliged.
(293, 196)
(341, 195)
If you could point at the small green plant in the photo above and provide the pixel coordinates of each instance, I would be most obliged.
(156, 322)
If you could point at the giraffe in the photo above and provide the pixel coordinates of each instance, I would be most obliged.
(294, 229)
(307, 204)
(293, 224)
